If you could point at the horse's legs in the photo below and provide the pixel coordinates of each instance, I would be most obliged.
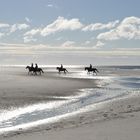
(35, 73)
(94, 72)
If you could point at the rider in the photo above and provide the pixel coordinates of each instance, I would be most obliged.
(90, 66)
(32, 65)
(36, 66)
(61, 66)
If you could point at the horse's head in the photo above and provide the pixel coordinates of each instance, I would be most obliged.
(27, 67)
(57, 68)
(86, 68)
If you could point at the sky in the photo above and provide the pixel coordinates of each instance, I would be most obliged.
(101, 32)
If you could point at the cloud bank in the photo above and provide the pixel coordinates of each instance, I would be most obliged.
(129, 28)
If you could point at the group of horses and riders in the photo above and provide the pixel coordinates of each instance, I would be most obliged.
(36, 70)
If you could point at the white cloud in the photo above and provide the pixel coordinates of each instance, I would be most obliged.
(131, 20)
(16, 27)
(111, 35)
(99, 44)
(61, 24)
(4, 25)
(22, 26)
(32, 32)
(100, 26)
(58, 25)
(87, 42)
(129, 28)
(13, 28)
(29, 36)
(68, 44)
(28, 39)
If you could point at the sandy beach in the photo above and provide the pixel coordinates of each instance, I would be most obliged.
(112, 112)
(120, 120)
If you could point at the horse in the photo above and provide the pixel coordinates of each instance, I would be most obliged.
(31, 70)
(34, 71)
(61, 69)
(94, 70)
(39, 70)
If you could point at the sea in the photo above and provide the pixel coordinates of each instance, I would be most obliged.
(115, 82)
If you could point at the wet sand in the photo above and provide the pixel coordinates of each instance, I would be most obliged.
(17, 88)
(115, 120)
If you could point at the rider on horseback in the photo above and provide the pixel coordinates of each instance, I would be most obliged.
(36, 66)
(90, 66)
(34, 70)
(32, 65)
(61, 66)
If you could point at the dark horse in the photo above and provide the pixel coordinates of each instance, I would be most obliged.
(61, 69)
(34, 71)
(94, 70)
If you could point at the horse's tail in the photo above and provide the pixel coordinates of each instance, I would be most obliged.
(97, 70)
(42, 71)
(66, 70)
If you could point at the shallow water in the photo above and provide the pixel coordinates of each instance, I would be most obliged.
(30, 114)
(111, 86)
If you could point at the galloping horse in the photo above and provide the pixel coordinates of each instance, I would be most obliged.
(94, 70)
(39, 70)
(34, 71)
(31, 70)
(61, 69)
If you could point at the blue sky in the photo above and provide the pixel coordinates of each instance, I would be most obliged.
(35, 30)
(90, 10)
